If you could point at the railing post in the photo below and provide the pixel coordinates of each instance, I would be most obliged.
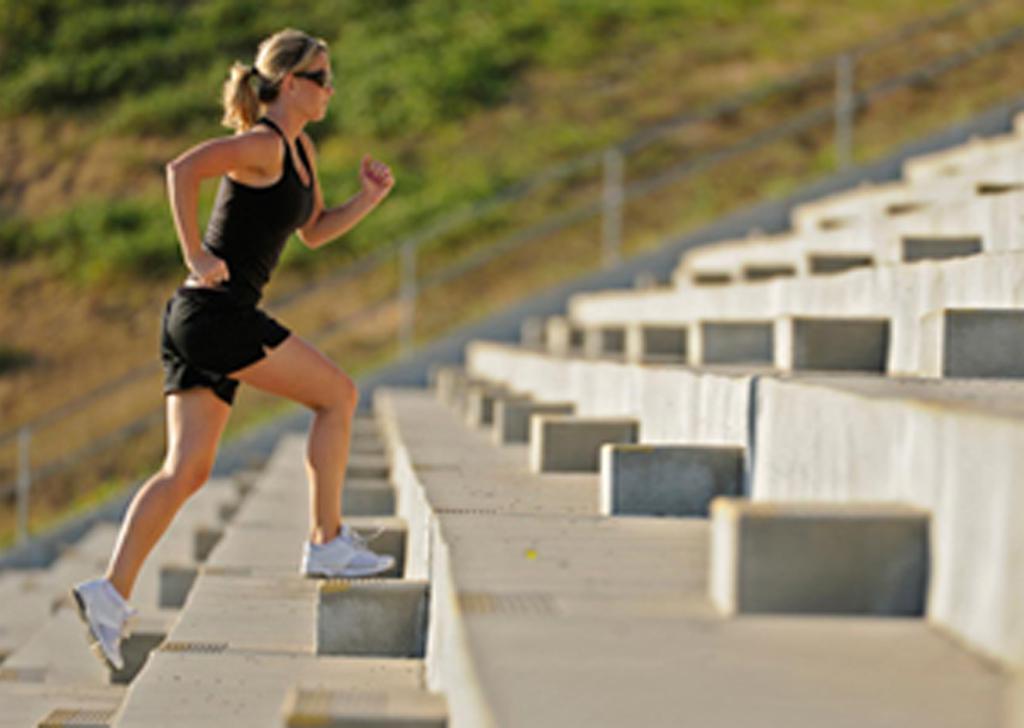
(24, 481)
(611, 237)
(845, 110)
(407, 297)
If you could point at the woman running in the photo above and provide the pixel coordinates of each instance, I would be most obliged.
(213, 334)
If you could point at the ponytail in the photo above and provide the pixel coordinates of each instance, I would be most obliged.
(241, 102)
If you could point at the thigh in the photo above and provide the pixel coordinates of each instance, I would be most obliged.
(195, 421)
(297, 370)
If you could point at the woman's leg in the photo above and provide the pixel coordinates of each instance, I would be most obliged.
(195, 421)
(296, 370)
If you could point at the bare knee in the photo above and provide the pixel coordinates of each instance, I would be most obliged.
(341, 395)
(187, 477)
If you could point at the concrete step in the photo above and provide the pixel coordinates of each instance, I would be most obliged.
(903, 294)
(918, 248)
(668, 480)
(656, 344)
(577, 619)
(822, 558)
(479, 401)
(372, 617)
(272, 546)
(563, 336)
(884, 225)
(732, 342)
(364, 466)
(29, 600)
(569, 443)
(246, 635)
(974, 343)
(979, 153)
(845, 208)
(512, 417)
(832, 344)
(206, 684)
(32, 703)
(346, 708)
(193, 534)
(839, 437)
(605, 342)
(58, 652)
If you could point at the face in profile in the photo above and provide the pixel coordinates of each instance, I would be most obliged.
(314, 87)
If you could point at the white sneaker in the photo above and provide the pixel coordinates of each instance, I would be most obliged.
(106, 613)
(343, 557)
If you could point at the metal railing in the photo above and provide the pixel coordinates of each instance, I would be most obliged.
(413, 281)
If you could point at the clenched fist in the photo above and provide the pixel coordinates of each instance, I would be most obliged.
(376, 179)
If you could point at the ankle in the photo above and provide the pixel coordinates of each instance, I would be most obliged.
(120, 589)
(321, 536)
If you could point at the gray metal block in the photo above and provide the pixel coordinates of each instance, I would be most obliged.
(936, 247)
(981, 343)
(564, 443)
(176, 582)
(667, 480)
(731, 342)
(846, 344)
(371, 617)
(815, 557)
(825, 263)
(512, 417)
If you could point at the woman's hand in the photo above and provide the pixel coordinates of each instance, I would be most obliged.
(376, 179)
(207, 269)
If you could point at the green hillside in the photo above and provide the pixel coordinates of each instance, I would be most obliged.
(411, 74)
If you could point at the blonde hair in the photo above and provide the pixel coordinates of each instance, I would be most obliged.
(284, 51)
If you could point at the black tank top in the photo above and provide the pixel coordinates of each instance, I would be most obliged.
(249, 226)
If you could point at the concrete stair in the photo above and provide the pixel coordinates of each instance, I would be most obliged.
(555, 615)
(246, 643)
(837, 438)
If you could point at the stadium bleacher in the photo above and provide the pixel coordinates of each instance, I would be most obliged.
(782, 490)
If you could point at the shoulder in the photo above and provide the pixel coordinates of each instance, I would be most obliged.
(253, 146)
(257, 147)
(259, 137)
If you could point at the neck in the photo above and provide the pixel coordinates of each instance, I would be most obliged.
(290, 124)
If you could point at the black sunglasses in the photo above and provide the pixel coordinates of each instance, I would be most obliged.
(320, 78)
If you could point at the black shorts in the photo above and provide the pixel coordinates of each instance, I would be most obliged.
(207, 334)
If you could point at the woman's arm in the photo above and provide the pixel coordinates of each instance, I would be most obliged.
(323, 225)
(184, 173)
